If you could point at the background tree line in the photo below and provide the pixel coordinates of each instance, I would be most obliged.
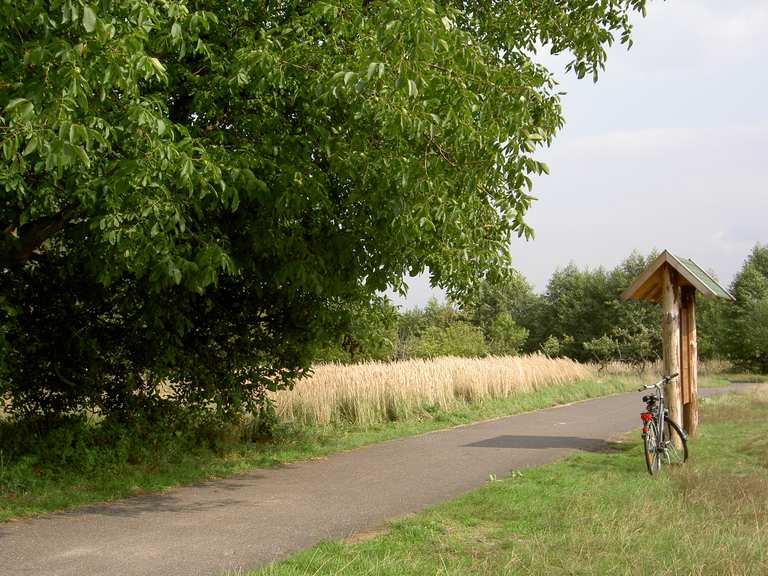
(580, 315)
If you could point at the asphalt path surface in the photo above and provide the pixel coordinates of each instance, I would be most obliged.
(250, 520)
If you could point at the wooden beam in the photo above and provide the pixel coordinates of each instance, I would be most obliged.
(657, 294)
(670, 330)
(645, 291)
(691, 408)
(685, 369)
(645, 276)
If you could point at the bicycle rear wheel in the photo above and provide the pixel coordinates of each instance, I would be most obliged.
(675, 444)
(652, 448)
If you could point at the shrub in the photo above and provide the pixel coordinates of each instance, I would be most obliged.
(457, 339)
(551, 347)
(603, 349)
(505, 337)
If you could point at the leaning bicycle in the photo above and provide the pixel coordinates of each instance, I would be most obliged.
(664, 441)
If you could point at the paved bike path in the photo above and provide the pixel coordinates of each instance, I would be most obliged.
(255, 518)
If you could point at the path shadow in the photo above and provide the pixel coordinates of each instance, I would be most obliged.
(215, 494)
(152, 504)
(544, 442)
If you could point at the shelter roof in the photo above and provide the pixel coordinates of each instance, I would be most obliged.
(648, 285)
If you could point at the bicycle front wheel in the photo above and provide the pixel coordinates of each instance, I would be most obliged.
(675, 444)
(652, 447)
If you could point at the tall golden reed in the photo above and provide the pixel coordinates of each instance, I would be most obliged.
(379, 392)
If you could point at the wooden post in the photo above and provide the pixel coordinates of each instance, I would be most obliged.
(685, 390)
(691, 354)
(670, 331)
(675, 282)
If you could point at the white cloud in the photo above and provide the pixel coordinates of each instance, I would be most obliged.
(649, 142)
(704, 32)
(719, 24)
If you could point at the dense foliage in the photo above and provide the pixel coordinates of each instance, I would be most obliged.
(745, 324)
(439, 330)
(193, 194)
(583, 311)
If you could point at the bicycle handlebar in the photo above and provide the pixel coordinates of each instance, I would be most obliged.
(664, 379)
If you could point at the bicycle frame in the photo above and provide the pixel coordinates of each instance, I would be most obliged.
(664, 433)
(657, 419)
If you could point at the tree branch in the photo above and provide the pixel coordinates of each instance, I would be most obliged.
(19, 246)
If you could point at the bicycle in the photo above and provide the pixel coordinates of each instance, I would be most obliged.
(663, 438)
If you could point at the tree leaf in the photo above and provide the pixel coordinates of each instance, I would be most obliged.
(158, 66)
(26, 110)
(82, 156)
(89, 19)
(413, 90)
(30, 147)
(15, 103)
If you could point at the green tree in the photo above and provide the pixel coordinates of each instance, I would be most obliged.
(576, 311)
(584, 311)
(190, 191)
(711, 327)
(511, 303)
(602, 350)
(371, 334)
(504, 336)
(457, 339)
(636, 325)
(747, 328)
(551, 347)
(413, 324)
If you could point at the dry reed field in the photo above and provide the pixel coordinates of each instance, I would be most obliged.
(379, 392)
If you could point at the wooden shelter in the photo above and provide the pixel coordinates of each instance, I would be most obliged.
(674, 282)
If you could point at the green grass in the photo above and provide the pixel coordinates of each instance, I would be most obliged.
(730, 378)
(591, 514)
(92, 473)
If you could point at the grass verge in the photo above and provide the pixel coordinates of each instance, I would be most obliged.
(726, 378)
(31, 485)
(591, 514)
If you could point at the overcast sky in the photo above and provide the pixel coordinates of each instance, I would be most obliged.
(669, 149)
